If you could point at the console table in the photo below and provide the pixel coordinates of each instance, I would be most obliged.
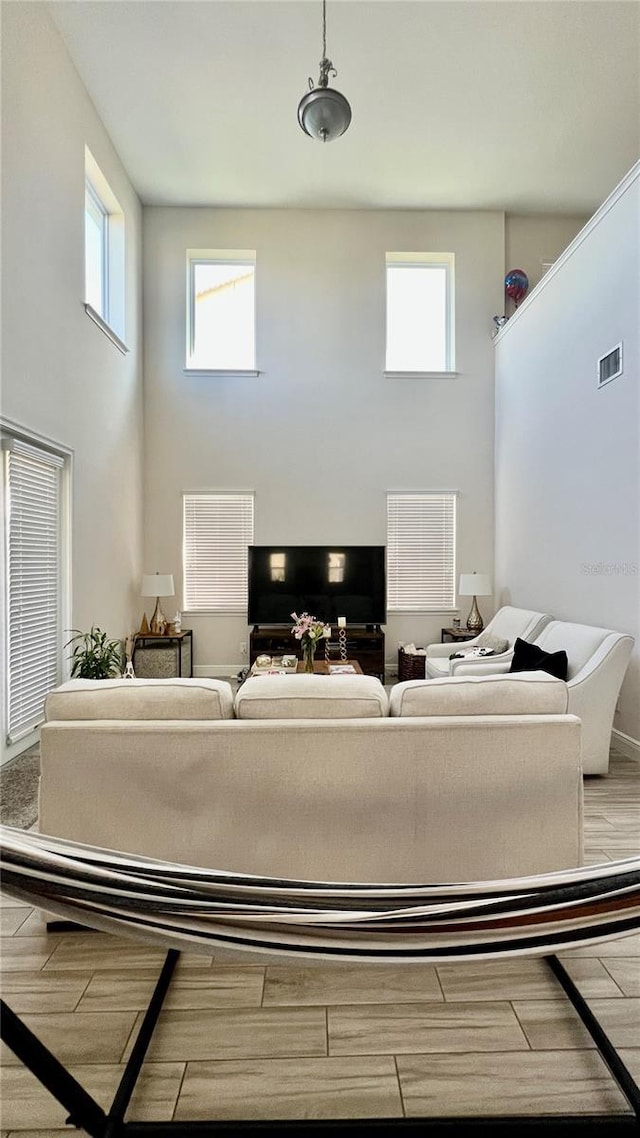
(364, 644)
(159, 656)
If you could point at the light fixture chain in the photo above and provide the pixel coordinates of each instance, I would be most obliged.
(326, 66)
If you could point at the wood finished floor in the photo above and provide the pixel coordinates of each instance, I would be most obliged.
(240, 1040)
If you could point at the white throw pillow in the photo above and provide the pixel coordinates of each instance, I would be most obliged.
(488, 640)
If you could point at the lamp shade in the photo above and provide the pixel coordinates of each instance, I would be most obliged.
(475, 585)
(157, 585)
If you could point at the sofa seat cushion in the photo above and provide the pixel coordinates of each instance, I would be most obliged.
(439, 666)
(527, 693)
(140, 699)
(311, 697)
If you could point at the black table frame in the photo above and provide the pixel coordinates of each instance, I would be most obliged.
(85, 1112)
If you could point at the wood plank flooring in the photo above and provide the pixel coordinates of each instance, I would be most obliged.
(243, 1040)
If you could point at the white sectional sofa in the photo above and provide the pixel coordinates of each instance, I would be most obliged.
(466, 779)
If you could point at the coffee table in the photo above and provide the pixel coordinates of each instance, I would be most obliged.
(320, 668)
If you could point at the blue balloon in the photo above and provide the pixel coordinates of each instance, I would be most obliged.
(516, 284)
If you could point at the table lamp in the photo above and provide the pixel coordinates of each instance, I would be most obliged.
(475, 585)
(158, 585)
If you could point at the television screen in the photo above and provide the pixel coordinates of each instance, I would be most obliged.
(326, 581)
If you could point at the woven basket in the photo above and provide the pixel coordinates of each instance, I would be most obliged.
(410, 667)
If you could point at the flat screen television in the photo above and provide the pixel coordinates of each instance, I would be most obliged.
(327, 581)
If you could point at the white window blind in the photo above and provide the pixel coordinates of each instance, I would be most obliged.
(421, 542)
(33, 491)
(218, 529)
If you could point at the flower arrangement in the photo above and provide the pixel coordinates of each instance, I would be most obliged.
(308, 630)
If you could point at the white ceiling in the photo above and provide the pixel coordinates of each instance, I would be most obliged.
(523, 105)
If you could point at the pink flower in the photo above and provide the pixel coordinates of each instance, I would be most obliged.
(308, 628)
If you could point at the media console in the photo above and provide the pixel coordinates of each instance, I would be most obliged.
(364, 644)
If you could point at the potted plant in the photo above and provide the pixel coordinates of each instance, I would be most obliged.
(94, 656)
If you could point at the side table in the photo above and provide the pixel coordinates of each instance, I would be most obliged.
(456, 634)
(161, 656)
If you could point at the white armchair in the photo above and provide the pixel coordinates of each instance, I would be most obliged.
(507, 624)
(598, 659)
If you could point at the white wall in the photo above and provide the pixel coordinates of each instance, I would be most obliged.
(531, 239)
(567, 455)
(61, 376)
(321, 434)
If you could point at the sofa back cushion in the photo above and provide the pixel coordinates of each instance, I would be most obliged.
(579, 641)
(311, 697)
(141, 699)
(527, 693)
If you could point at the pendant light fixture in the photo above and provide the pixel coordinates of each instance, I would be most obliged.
(324, 113)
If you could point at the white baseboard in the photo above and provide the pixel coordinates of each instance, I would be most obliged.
(11, 750)
(216, 671)
(626, 744)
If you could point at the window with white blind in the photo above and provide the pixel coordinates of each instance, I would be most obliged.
(421, 545)
(218, 529)
(420, 313)
(35, 580)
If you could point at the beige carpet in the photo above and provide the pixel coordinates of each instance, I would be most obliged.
(19, 790)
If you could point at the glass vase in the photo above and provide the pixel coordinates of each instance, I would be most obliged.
(308, 653)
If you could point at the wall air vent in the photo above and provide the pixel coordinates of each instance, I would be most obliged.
(610, 365)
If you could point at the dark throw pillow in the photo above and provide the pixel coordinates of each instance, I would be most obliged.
(529, 658)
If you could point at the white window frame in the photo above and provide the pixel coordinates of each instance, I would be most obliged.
(95, 208)
(197, 257)
(420, 595)
(14, 439)
(444, 261)
(100, 199)
(232, 594)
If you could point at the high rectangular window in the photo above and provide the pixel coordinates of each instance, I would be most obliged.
(221, 303)
(421, 545)
(218, 529)
(420, 315)
(34, 483)
(96, 229)
(104, 253)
